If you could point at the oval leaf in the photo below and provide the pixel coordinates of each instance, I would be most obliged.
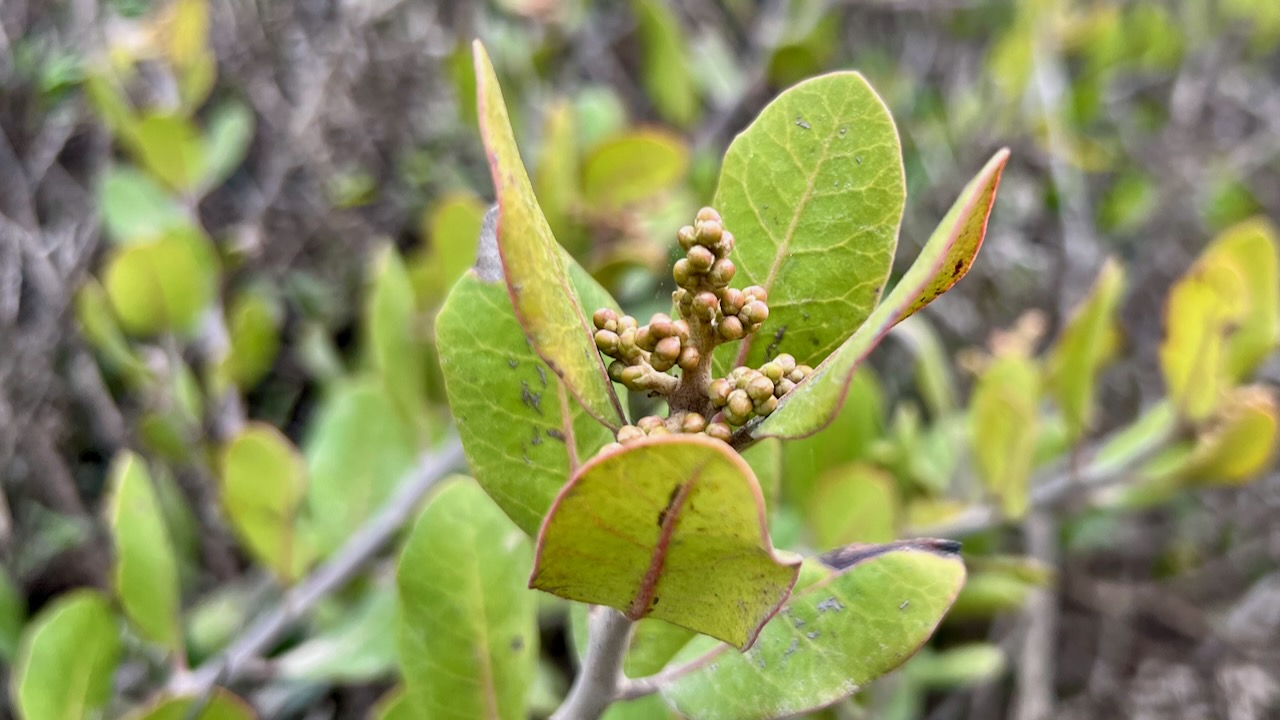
(853, 503)
(1087, 343)
(1252, 248)
(264, 481)
(67, 659)
(671, 527)
(1242, 441)
(162, 285)
(1003, 421)
(393, 342)
(220, 705)
(453, 226)
(145, 573)
(946, 259)
(469, 633)
(667, 73)
(540, 288)
(832, 638)
(632, 167)
(813, 191)
(135, 207)
(1202, 308)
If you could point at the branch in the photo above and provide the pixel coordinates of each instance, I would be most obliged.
(241, 654)
(596, 687)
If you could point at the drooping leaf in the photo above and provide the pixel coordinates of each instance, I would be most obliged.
(1087, 343)
(633, 166)
(855, 503)
(1202, 307)
(360, 648)
(162, 285)
(468, 635)
(145, 573)
(135, 208)
(357, 451)
(67, 659)
(253, 325)
(220, 705)
(230, 132)
(845, 629)
(171, 148)
(945, 259)
(534, 269)
(667, 73)
(394, 339)
(452, 226)
(813, 191)
(637, 529)
(1240, 443)
(1003, 420)
(264, 481)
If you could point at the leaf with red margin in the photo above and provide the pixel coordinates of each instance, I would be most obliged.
(537, 280)
(946, 259)
(671, 527)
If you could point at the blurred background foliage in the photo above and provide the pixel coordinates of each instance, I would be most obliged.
(225, 227)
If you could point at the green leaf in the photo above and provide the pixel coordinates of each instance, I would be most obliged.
(813, 191)
(666, 63)
(957, 667)
(522, 433)
(853, 503)
(469, 633)
(1253, 250)
(264, 481)
(556, 179)
(541, 291)
(162, 285)
(653, 642)
(765, 460)
(67, 659)
(453, 226)
(253, 318)
(945, 259)
(1004, 418)
(361, 648)
(230, 132)
(221, 705)
(988, 594)
(637, 529)
(13, 615)
(171, 148)
(145, 573)
(135, 208)
(848, 628)
(357, 451)
(394, 705)
(933, 365)
(1241, 442)
(1087, 343)
(633, 166)
(99, 326)
(394, 333)
(849, 437)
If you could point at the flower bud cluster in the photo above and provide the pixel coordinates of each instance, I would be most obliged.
(703, 275)
(748, 393)
(640, 351)
(679, 422)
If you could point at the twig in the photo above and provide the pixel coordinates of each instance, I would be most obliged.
(329, 577)
(596, 687)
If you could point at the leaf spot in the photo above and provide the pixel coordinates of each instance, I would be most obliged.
(801, 122)
(531, 399)
(517, 643)
(857, 159)
(812, 635)
(513, 363)
(771, 351)
(795, 644)
(662, 514)
(904, 605)
(555, 434)
(844, 130)
(832, 603)
(542, 375)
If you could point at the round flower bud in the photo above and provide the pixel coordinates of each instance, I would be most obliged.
(708, 213)
(682, 299)
(610, 447)
(682, 272)
(661, 364)
(705, 304)
(786, 361)
(687, 237)
(721, 272)
(660, 326)
(755, 312)
(718, 391)
(645, 339)
(615, 370)
(739, 404)
(605, 319)
(724, 248)
(700, 258)
(680, 328)
(627, 343)
(738, 373)
(631, 376)
(649, 422)
(693, 423)
(731, 328)
(731, 301)
(772, 370)
(626, 321)
(710, 232)
(607, 342)
(627, 433)
(800, 373)
(760, 388)
(766, 406)
(720, 431)
(755, 292)
(689, 357)
(782, 387)
(668, 349)
(660, 430)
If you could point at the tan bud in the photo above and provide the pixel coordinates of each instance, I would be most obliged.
(755, 312)
(649, 422)
(625, 322)
(804, 371)
(645, 339)
(700, 258)
(772, 370)
(709, 232)
(631, 376)
(627, 433)
(731, 301)
(687, 237)
(766, 406)
(739, 404)
(718, 391)
(680, 329)
(705, 304)
(707, 214)
(661, 364)
(755, 292)
(783, 387)
(786, 361)
(605, 319)
(668, 348)
(724, 248)
(660, 430)
(731, 328)
(610, 447)
(661, 326)
(689, 357)
(693, 423)
(615, 370)
(760, 388)
(720, 431)
(607, 342)
(682, 273)
(721, 272)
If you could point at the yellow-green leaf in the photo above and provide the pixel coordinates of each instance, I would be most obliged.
(633, 166)
(946, 258)
(1088, 342)
(145, 573)
(171, 148)
(540, 288)
(667, 71)
(67, 659)
(1252, 249)
(452, 226)
(1240, 443)
(162, 285)
(1003, 420)
(264, 480)
(395, 334)
(639, 528)
(1202, 307)
(855, 503)
(556, 179)
(253, 326)
(220, 705)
